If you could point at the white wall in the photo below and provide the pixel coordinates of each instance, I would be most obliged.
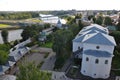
(109, 49)
(101, 69)
(76, 45)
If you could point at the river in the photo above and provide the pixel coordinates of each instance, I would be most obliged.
(13, 35)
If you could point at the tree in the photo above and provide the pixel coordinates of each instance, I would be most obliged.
(31, 32)
(94, 19)
(118, 26)
(3, 57)
(78, 16)
(46, 25)
(116, 35)
(4, 35)
(90, 17)
(108, 21)
(99, 20)
(26, 33)
(62, 44)
(31, 72)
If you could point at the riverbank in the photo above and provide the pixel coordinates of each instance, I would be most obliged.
(12, 35)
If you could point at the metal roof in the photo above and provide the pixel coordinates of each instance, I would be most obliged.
(97, 53)
(99, 38)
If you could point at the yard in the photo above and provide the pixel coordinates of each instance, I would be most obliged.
(4, 26)
(47, 45)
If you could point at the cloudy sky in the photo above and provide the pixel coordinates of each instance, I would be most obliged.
(30, 5)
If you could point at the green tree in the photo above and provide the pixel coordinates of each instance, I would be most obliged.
(90, 17)
(78, 16)
(3, 57)
(47, 25)
(94, 19)
(62, 44)
(99, 20)
(31, 32)
(108, 21)
(31, 72)
(116, 35)
(4, 35)
(26, 33)
(118, 26)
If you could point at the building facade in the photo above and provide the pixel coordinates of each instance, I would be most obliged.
(96, 48)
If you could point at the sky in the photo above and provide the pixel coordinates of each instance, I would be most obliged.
(37, 5)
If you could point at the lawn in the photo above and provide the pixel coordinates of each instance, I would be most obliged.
(36, 20)
(47, 45)
(4, 26)
(33, 20)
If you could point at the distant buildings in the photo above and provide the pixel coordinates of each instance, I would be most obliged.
(95, 47)
(15, 55)
(51, 19)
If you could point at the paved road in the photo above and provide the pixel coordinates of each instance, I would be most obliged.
(49, 62)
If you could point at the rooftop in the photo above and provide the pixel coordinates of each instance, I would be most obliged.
(97, 53)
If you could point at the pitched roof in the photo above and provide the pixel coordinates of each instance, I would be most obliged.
(86, 32)
(97, 53)
(79, 39)
(95, 27)
(59, 22)
(99, 38)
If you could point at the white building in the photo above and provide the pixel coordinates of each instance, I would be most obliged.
(51, 19)
(95, 47)
(59, 24)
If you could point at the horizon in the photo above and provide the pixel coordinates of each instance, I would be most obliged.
(48, 5)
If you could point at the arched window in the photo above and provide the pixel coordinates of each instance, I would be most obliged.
(96, 61)
(97, 47)
(78, 47)
(87, 59)
(94, 74)
(106, 61)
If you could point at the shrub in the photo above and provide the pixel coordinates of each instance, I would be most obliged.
(46, 55)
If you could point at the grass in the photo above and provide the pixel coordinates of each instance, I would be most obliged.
(40, 64)
(4, 26)
(34, 51)
(47, 45)
(34, 20)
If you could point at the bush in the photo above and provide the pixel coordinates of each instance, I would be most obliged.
(46, 55)
(59, 63)
(3, 57)
(116, 60)
(40, 64)
(5, 47)
(31, 44)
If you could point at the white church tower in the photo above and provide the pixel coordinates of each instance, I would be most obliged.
(97, 55)
(97, 51)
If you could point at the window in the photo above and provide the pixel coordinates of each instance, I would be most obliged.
(84, 71)
(106, 61)
(94, 74)
(78, 47)
(96, 61)
(87, 59)
(97, 47)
